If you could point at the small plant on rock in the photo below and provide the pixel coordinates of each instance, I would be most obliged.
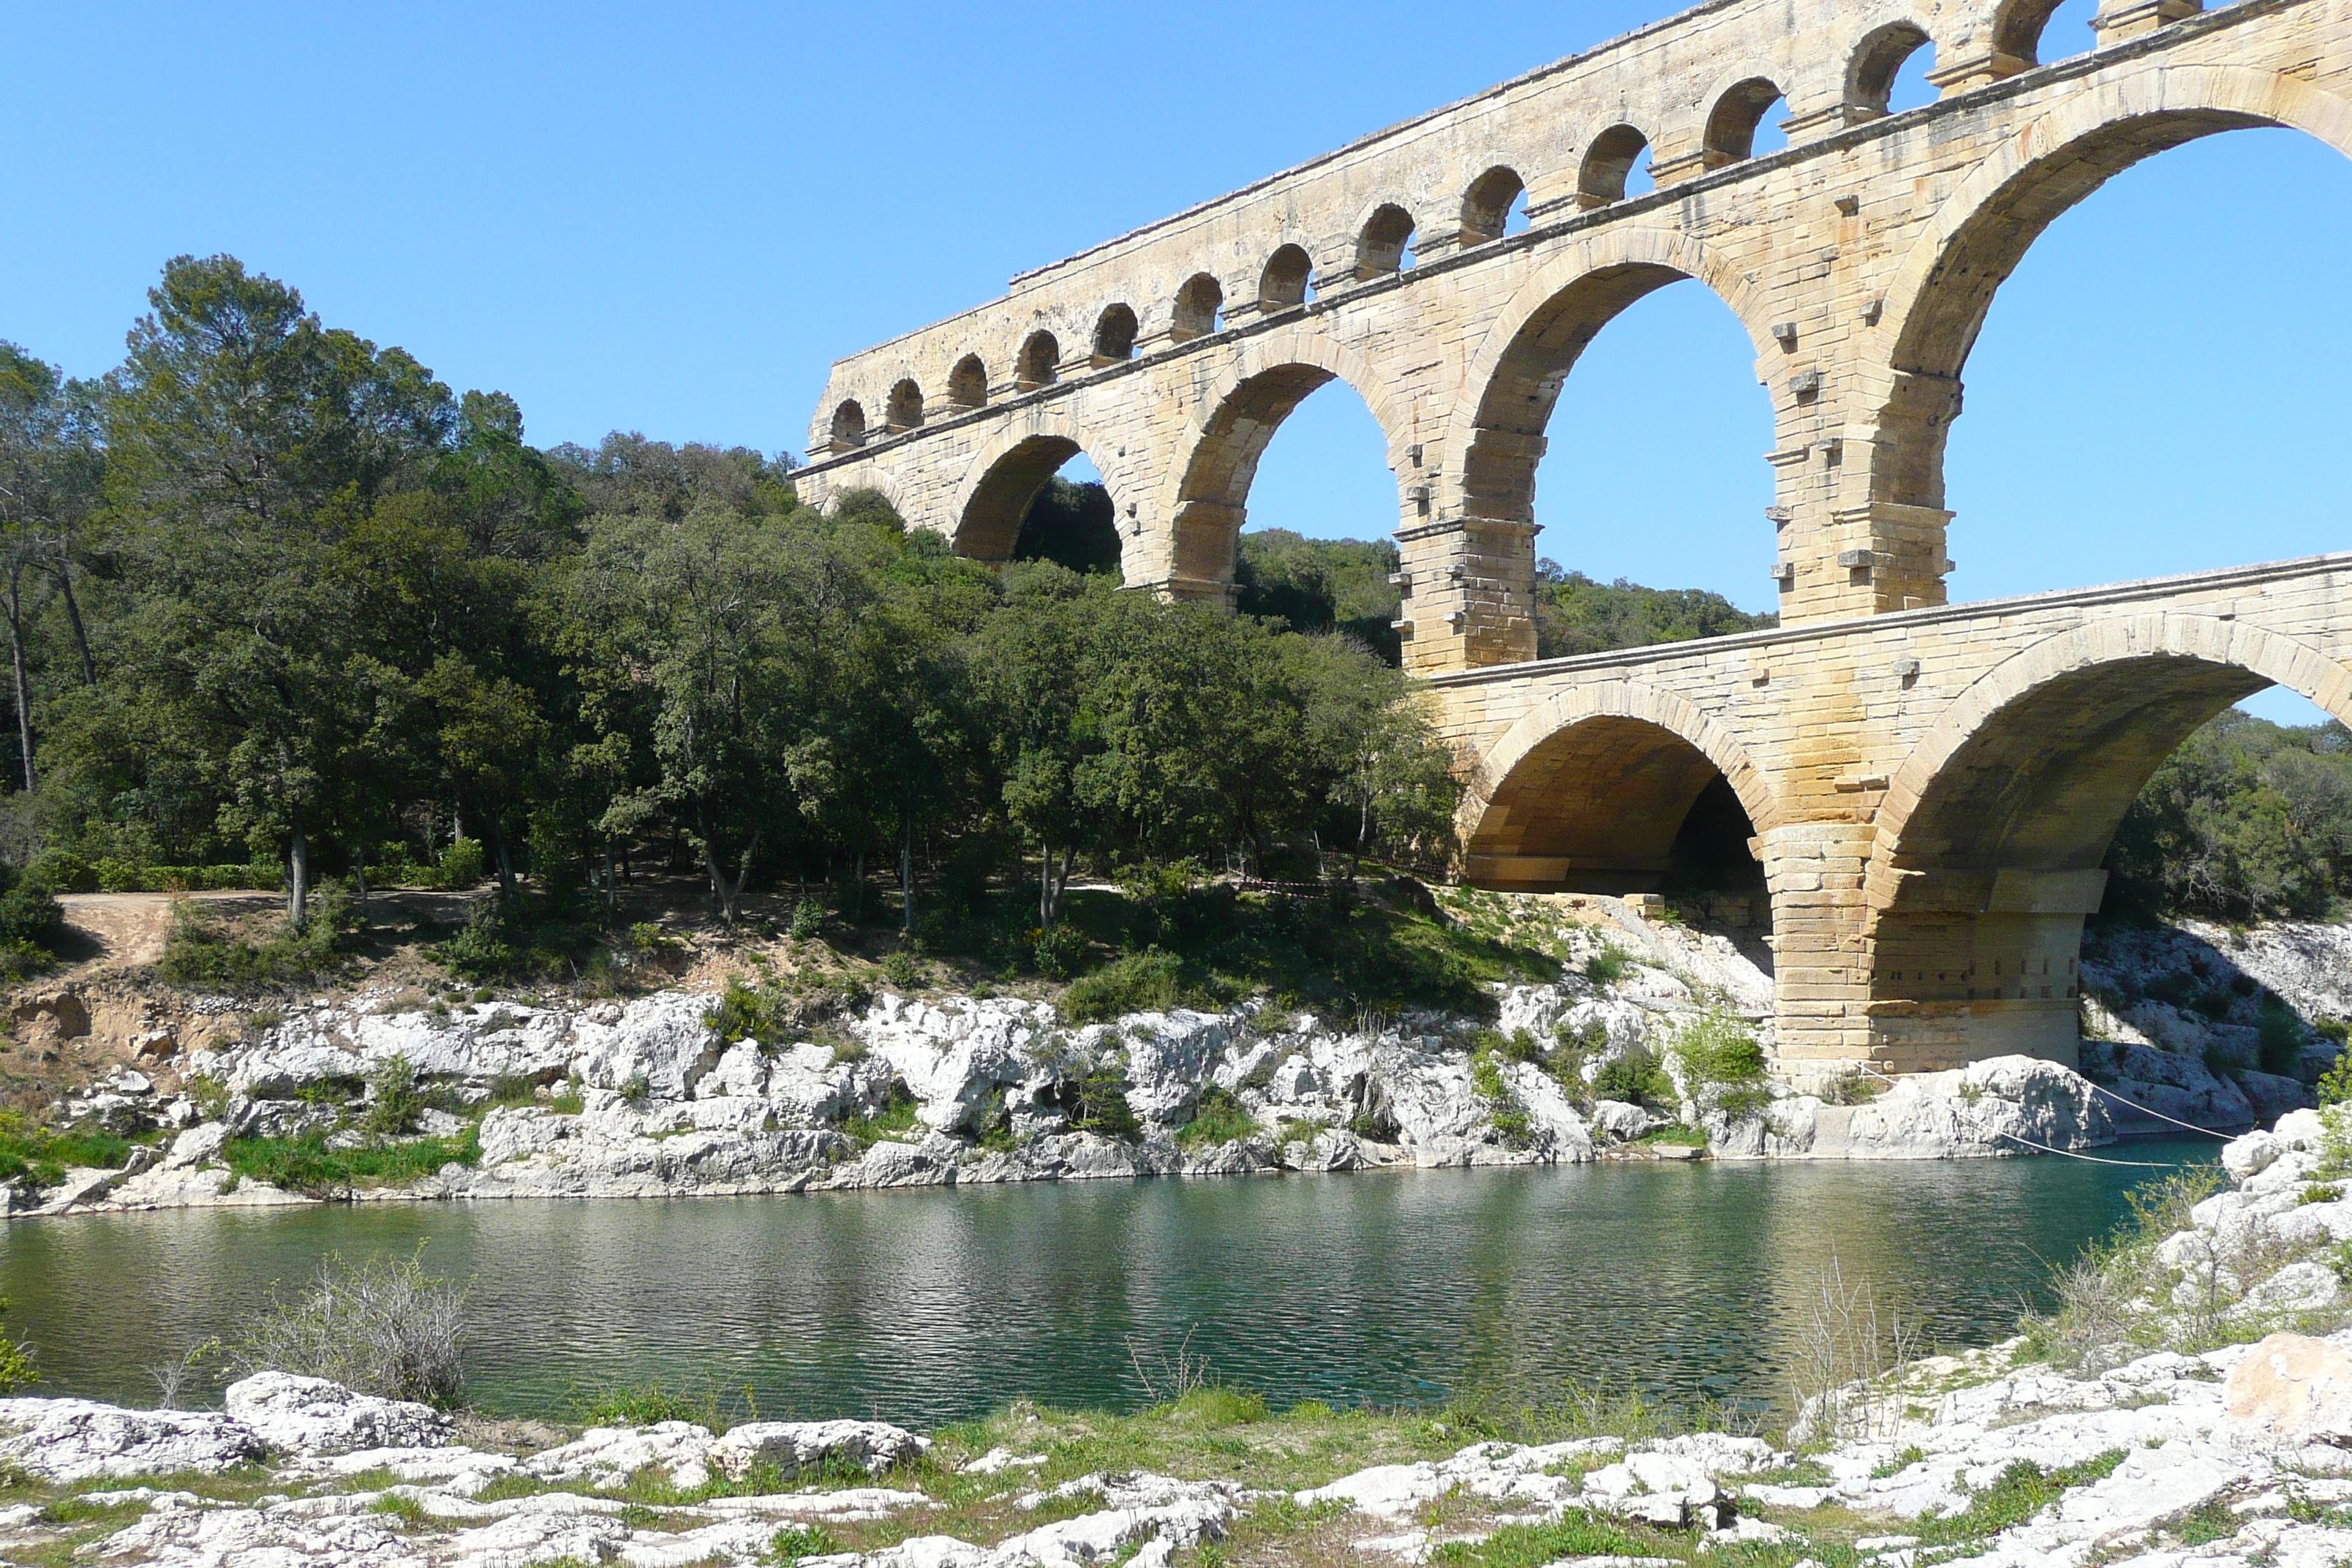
(1221, 1118)
(16, 1365)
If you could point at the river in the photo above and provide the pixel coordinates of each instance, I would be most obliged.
(931, 1305)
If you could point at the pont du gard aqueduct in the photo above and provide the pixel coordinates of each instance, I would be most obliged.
(1929, 788)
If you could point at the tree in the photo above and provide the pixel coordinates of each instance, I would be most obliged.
(51, 466)
(245, 441)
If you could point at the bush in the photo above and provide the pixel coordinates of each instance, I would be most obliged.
(1150, 982)
(1504, 1109)
(1608, 967)
(483, 948)
(1723, 1064)
(383, 1328)
(1058, 952)
(197, 953)
(2279, 1038)
(29, 913)
(1221, 1118)
(1098, 1103)
(897, 1115)
(901, 971)
(395, 1104)
(808, 921)
(749, 1013)
(1635, 1078)
(15, 1366)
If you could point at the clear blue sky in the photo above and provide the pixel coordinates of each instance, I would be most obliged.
(673, 219)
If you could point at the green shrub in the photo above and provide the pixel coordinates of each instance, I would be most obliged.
(196, 953)
(749, 1013)
(1723, 1064)
(15, 1366)
(901, 971)
(1635, 1078)
(2279, 1036)
(794, 1542)
(898, 1114)
(1059, 951)
(29, 913)
(1150, 982)
(808, 921)
(484, 948)
(1098, 1102)
(1504, 1109)
(1608, 967)
(395, 1104)
(1220, 1119)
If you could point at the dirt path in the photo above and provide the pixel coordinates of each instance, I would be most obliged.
(127, 930)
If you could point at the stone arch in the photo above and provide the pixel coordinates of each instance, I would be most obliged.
(1876, 61)
(1486, 205)
(1731, 124)
(1600, 178)
(2017, 29)
(1284, 280)
(1591, 788)
(848, 424)
(1197, 306)
(1382, 240)
(1040, 361)
(1115, 333)
(1527, 354)
(968, 383)
(1988, 839)
(1006, 474)
(906, 406)
(1208, 500)
(1937, 301)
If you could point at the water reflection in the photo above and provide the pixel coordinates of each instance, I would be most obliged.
(925, 1306)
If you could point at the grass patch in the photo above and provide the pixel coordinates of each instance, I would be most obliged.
(1221, 1118)
(307, 1165)
(895, 1116)
(28, 1151)
(2023, 1491)
(1575, 1534)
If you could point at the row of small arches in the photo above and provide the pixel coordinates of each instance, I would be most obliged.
(1384, 242)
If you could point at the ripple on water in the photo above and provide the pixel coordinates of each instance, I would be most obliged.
(924, 1306)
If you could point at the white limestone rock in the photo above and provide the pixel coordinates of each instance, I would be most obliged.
(79, 1440)
(606, 1456)
(312, 1416)
(795, 1446)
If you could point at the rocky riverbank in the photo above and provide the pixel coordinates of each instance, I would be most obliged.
(2206, 1418)
(1655, 1043)
(684, 1092)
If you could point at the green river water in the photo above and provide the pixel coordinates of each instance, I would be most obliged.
(925, 1306)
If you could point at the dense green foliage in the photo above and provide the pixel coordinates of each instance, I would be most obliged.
(1576, 614)
(280, 596)
(2247, 819)
(1319, 584)
(28, 1151)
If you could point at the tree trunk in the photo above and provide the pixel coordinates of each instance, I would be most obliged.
(24, 682)
(857, 891)
(612, 893)
(298, 877)
(359, 871)
(1046, 890)
(905, 876)
(721, 893)
(73, 614)
(498, 838)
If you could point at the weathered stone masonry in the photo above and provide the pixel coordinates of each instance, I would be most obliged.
(1930, 811)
